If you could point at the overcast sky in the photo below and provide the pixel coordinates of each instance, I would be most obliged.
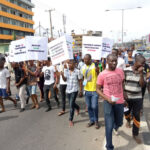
(83, 15)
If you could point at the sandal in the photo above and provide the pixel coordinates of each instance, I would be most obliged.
(90, 124)
(61, 113)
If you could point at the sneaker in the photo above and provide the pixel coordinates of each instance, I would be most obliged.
(116, 132)
(22, 109)
(47, 110)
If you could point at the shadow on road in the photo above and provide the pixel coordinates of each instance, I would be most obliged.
(7, 118)
(146, 137)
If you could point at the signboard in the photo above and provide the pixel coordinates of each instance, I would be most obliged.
(60, 49)
(106, 47)
(92, 45)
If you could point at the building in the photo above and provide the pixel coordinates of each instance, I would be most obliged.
(15, 19)
(77, 39)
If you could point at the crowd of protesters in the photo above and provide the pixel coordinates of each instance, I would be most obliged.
(120, 80)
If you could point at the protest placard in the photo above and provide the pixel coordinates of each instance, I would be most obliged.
(37, 47)
(60, 49)
(18, 50)
(106, 47)
(92, 45)
(69, 41)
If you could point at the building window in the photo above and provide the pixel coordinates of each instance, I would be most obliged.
(21, 24)
(4, 9)
(13, 12)
(1, 19)
(6, 31)
(12, 1)
(14, 22)
(1, 32)
(19, 33)
(19, 4)
(6, 20)
(20, 14)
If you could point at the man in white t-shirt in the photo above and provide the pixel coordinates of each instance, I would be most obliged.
(50, 83)
(4, 84)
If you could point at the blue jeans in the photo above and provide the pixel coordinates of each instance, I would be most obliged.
(91, 99)
(72, 98)
(113, 120)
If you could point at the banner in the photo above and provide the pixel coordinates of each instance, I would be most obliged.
(106, 47)
(60, 49)
(92, 45)
(37, 47)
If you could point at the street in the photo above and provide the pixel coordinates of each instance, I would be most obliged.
(40, 130)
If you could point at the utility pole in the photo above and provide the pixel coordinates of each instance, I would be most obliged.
(50, 16)
(64, 23)
(39, 28)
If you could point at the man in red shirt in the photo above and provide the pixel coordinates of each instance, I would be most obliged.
(110, 88)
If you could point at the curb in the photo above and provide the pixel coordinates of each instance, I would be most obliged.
(144, 131)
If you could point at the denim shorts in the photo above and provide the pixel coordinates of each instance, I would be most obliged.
(3, 93)
(32, 89)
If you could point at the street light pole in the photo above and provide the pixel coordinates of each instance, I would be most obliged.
(122, 10)
(122, 24)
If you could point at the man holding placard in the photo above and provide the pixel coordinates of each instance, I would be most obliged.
(110, 88)
(90, 77)
(32, 83)
(73, 78)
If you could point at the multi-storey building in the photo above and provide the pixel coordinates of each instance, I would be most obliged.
(15, 19)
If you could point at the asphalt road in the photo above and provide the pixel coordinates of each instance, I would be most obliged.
(40, 130)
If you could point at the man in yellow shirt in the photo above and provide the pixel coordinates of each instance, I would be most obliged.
(90, 72)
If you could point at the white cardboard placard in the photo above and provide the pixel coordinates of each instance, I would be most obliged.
(92, 45)
(60, 49)
(37, 47)
(18, 48)
(106, 47)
